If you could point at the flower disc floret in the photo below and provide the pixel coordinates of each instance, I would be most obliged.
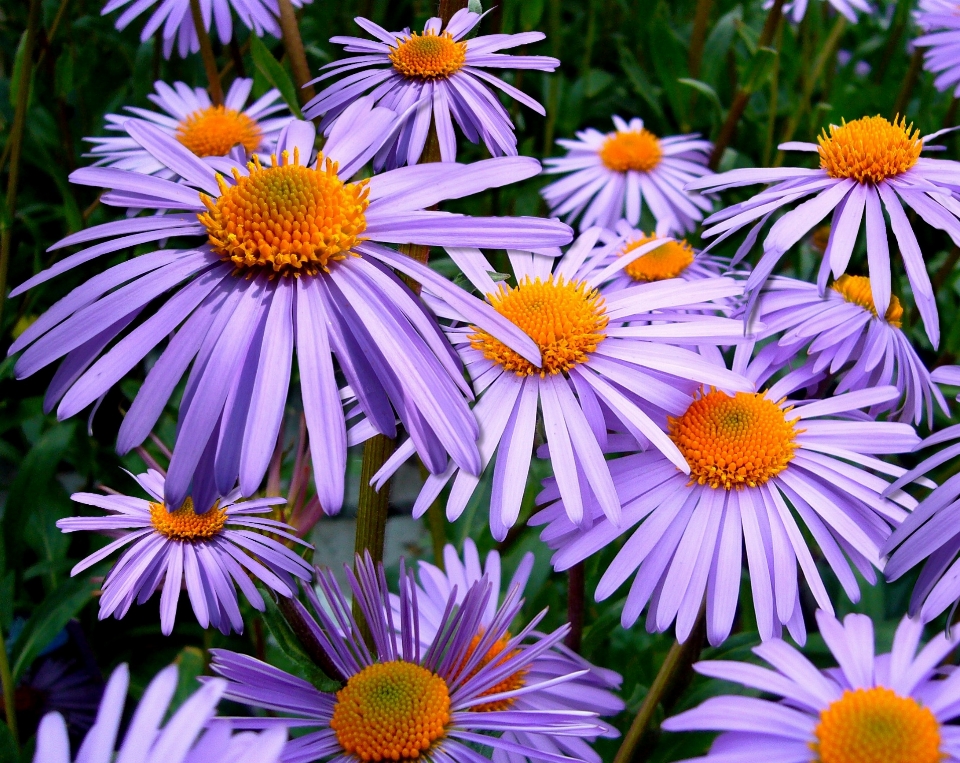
(877, 725)
(565, 318)
(185, 523)
(286, 219)
(637, 150)
(734, 442)
(856, 290)
(429, 56)
(870, 149)
(495, 656)
(391, 711)
(215, 130)
(668, 260)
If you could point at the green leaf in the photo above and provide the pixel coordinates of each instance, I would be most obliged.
(190, 663)
(669, 60)
(59, 607)
(8, 747)
(18, 63)
(718, 44)
(275, 74)
(703, 87)
(759, 70)
(639, 81)
(531, 11)
(475, 6)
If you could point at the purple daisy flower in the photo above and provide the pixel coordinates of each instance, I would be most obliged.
(440, 75)
(613, 174)
(191, 118)
(212, 551)
(940, 22)
(797, 9)
(843, 337)
(182, 740)
(895, 707)
(609, 361)
(462, 693)
(175, 16)
(751, 457)
(593, 691)
(866, 166)
(253, 290)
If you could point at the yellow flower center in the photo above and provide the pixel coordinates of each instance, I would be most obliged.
(565, 318)
(877, 726)
(286, 218)
(185, 523)
(391, 711)
(732, 442)
(495, 655)
(637, 150)
(668, 260)
(429, 56)
(870, 149)
(856, 289)
(213, 131)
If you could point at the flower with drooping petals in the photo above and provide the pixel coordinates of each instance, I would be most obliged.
(888, 708)
(940, 22)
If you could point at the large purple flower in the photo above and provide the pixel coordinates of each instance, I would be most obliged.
(214, 552)
(439, 75)
(866, 166)
(280, 256)
(402, 699)
(940, 22)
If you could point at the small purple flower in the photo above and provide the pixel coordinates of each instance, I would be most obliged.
(403, 699)
(213, 552)
(896, 707)
(612, 175)
(184, 739)
(866, 166)
(257, 277)
(797, 9)
(751, 457)
(440, 75)
(192, 119)
(940, 22)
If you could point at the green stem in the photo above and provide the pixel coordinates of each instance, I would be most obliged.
(774, 99)
(206, 53)
(293, 44)
(698, 36)
(52, 31)
(589, 38)
(6, 678)
(906, 90)
(553, 91)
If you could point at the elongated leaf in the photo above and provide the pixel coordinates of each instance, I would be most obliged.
(760, 69)
(703, 87)
(275, 74)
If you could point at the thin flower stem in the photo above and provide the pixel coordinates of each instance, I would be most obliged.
(206, 53)
(553, 90)
(293, 44)
(698, 36)
(16, 142)
(909, 82)
(576, 605)
(774, 99)
(6, 678)
(52, 31)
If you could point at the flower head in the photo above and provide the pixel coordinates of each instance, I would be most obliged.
(439, 75)
(939, 20)
(211, 551)
(613, 175)
(888, 708)
(797, 9)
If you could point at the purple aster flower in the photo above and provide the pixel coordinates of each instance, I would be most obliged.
(866, 166)
(614, 174)
(845, 340)
(440, 76)
(213, 552)
(182, 740)
(192, 119)
(593, 691)
(895, 707)
(940, 22)
(760, 468)
(797, 9)
(175, 16)
(464, 692)
(279, 256)
(610, 359)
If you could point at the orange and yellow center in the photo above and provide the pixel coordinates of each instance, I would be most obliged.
(565, 318)
(213, 131)
(877, 726)
(429, 56)
(286, 219)
(391, 711)
(856, 289)
(734, 442)
(495, 654)
(185, 523)
(870, 149)
(637, 150)
(668, 260)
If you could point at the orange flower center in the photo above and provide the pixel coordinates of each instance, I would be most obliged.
(870, 149)
(635, 150)
(733, 442)
(495, 655)
(668, 260)
(185, 523)
(391, 711)
(877, 726)
(856, 289)
(429, 56)
(287, 219)
(565, 318)
(213, 131)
